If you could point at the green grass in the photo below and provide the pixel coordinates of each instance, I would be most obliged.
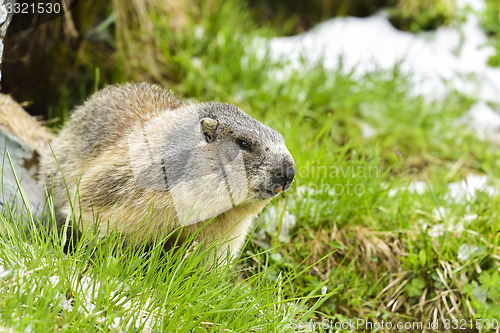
(104, 286)
(491, 24)
(383, 251)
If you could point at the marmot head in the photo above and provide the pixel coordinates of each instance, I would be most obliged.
(210, 157)
(267, 164)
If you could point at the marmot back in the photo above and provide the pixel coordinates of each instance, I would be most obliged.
(136, 151)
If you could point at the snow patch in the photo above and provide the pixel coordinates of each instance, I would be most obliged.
(417, 187)
(485, 121)
(288, 222)
(3, 271)
(450, 57)
(433, 59)
(367, 131)
(467, 188)
(438, 230)
(465, 251)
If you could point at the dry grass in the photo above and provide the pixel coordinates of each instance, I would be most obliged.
(16, 121)
(146, 48)
(379, 256)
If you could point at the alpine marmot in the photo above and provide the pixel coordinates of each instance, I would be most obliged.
(136, 158)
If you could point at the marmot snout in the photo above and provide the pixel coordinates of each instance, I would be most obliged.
(136, 151)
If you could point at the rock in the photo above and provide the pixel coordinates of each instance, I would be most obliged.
(22, 157)
(22, 138)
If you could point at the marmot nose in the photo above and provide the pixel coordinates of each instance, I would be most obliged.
(283, 177)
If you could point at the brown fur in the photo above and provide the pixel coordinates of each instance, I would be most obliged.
(94, 155)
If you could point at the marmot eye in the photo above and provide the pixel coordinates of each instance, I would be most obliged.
(244, 145)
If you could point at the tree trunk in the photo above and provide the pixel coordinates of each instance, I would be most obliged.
(19, 169)
(6, 13)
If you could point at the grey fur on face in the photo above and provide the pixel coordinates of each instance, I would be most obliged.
(199, 155)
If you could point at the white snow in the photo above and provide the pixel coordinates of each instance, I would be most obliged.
(67, 304)
(476, 5)
(457, 191)
(467, 188)
(417, 187)
(54, 280)
(438, 230)
(3, 272)
(440, 212)
(451, 57)
(465, 251)
(485, 121)
(367, 131)
(273, 217)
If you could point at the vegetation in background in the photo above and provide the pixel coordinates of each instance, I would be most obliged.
(407, 15)
(421, 15)
(67, 50)
(371, 216)
(51, 66)
(491, 24)
(292, 17)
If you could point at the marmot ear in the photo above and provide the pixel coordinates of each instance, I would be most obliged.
(209, 126)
